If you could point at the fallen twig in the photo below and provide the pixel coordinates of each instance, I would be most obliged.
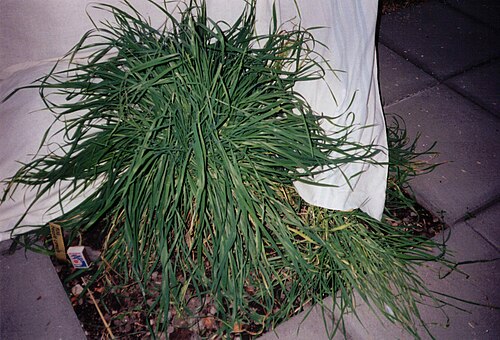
(99, 310)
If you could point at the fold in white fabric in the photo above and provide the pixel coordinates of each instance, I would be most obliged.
(349, 36)
(348, 32)
(22, 127)
(346, 29)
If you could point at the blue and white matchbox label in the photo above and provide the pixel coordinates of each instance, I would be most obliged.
(77, 257)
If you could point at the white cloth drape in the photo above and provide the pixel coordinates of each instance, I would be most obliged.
(348, 36)
(34, 31)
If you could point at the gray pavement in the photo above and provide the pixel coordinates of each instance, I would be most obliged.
(439, 69)
(33, 303)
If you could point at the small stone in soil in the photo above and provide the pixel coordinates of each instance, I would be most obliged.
(76, 290)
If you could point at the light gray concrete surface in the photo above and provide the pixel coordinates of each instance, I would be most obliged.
(33, 303)
(474, 282)
(468, 145)
(399, 79)
(476, 279)
(481, 85)
(487, 224)
(439, 39)
(315, 323)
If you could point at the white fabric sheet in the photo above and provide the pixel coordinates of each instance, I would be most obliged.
(37, 30)
(350, 38)
(22, 127)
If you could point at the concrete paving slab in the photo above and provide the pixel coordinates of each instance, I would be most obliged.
(33, 302)
(301, 327)
(476, 280)
(477, 283)
(481, 85)
(487, 223)
(486, 11)
(467, 140)
(398, 77)
(439, 39)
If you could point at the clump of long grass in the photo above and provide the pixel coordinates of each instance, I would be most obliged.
(361, 258)
(405, 163)
(192, 136)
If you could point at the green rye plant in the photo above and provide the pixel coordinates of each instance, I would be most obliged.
(192, 135)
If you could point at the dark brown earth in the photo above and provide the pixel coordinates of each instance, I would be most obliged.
(388, 6)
